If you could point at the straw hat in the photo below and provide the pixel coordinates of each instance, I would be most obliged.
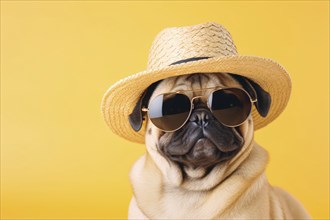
(214, 51)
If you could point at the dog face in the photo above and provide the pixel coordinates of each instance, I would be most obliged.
(196, 144)
(202, 142)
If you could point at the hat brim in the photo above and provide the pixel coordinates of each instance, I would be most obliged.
(120, 99)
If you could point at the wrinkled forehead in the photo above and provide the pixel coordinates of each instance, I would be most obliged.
(196, 81)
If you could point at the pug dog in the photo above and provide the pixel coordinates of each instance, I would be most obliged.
(204, 168)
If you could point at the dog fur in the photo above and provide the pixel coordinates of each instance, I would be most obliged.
(233, 188)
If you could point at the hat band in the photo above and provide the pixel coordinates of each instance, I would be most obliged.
(189, 60)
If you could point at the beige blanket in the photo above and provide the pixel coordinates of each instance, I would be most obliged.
(238, 190)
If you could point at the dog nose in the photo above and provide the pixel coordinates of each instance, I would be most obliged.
(201, 117)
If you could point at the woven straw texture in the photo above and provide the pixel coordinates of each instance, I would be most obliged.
(203, 40)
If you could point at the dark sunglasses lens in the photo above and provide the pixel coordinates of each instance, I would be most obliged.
(169, 111)
(230, 106)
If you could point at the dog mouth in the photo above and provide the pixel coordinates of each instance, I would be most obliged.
(205, 153)
(203, 148)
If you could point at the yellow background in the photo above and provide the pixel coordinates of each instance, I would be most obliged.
(58, 158)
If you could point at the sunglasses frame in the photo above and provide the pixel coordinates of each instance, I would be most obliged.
(215, 89)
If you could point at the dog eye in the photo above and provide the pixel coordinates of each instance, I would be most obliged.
(230, 106)
(224, 101)
(169, 111)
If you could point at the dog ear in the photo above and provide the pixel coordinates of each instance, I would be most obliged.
(136, 117)
(256, 92)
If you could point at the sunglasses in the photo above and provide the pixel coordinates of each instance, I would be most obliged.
(170, 111)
